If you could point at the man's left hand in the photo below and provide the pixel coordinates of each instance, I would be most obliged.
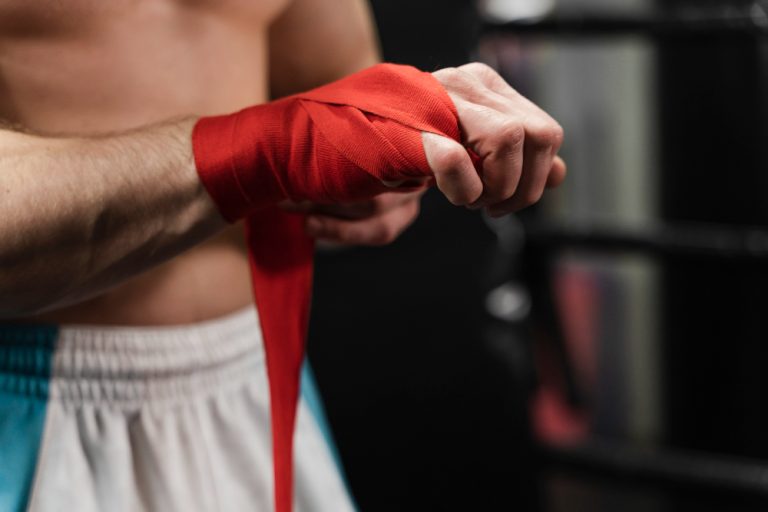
(378, 221)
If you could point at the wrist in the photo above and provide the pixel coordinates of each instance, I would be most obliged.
(233, 161)
(341, 142)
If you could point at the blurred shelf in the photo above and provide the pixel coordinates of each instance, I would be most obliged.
(666, 466)
(691, 21)
(696, 240)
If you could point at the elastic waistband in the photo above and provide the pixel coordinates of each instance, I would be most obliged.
(132, 365)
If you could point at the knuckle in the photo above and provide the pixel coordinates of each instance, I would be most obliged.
(510, 135)
(558, 134)
(479, 68)
(450, 160)
(553, 135)
(542, 137)
(488, 76)
(546, 134)
(471, 87)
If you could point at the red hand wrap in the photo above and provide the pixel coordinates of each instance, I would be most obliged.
(336, 143)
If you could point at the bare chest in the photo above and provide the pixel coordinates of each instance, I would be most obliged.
(46, 18)
(96, 65)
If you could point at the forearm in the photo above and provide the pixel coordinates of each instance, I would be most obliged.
(78, 215)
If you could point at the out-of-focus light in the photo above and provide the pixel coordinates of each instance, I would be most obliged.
(509, 302)
(515, 10)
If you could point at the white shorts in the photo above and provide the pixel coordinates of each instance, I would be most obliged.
(167, 419)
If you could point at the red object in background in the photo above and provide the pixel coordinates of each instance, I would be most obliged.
(577, 296)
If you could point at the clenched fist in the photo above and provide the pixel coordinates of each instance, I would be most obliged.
(516, 142)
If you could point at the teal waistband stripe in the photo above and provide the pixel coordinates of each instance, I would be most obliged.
(26, 353)
(314, 401)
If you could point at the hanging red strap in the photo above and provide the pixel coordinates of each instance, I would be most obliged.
(335, 143)
(281, 270)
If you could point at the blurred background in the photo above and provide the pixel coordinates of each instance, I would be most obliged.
(606, 349)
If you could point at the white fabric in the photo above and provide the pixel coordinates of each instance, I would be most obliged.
(171, 419)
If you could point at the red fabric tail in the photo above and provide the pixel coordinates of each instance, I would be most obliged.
(281, 271)
(336, 143)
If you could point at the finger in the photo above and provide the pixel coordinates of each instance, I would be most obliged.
(379, 230)
(557, 173)
(498, 139)
(455, 175)
(502, 154)
(543, 138)
(513, 137)
(364, 209)
(538, 162)
(494, 131)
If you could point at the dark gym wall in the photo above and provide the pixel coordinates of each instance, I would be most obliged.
(712, 94)
(425, 417)
(428, 34)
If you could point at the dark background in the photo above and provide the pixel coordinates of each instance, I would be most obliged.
(426, 416)
(430, 413)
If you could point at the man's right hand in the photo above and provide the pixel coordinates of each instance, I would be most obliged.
(387, 127)
(516, 141)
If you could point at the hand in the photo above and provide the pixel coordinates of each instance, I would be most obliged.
(516, 141)
(378, 221)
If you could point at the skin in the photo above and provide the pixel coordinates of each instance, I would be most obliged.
(102, 217)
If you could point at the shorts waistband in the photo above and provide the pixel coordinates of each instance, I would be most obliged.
(131, 365)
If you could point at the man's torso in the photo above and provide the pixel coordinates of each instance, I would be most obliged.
(87, 67)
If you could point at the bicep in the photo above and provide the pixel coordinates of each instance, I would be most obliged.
(317, 41)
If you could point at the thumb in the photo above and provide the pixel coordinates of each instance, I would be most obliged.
(455, 175)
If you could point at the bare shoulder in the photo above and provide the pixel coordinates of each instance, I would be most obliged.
(317, 41)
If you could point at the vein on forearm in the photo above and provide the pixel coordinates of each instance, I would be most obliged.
(80, 214)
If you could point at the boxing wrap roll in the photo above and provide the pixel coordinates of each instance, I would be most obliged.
(336, 143)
